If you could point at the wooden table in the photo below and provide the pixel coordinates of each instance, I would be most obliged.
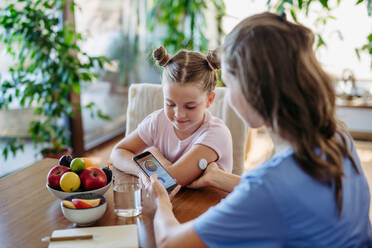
(29, 212)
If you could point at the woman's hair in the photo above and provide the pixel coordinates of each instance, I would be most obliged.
(279, 75)
(189, 67)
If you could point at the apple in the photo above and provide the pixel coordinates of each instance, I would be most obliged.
(91, 202)
(68, 204)
(93, 178)
(78, 203)
(55, 175)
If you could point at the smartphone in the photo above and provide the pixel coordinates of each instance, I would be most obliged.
(150, 165)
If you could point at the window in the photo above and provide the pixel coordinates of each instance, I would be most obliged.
(351, 20)
(116, 30)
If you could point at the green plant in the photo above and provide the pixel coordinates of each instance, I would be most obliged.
(367, 47)
(293, 7)
(185, 22)
(49, 66)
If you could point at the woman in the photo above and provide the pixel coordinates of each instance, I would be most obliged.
(312, 192)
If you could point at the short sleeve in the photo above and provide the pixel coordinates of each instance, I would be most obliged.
(247, 217)
(147, 128)
(218, 138)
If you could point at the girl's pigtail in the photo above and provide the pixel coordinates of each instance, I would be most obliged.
(162, 56)
(213, 60)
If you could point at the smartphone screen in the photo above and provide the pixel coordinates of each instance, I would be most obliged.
(150, 165)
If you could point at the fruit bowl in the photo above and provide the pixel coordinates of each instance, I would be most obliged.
(84, 216)
(62, 195)
(73, 176)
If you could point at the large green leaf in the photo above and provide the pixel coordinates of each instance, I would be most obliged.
(47, 67)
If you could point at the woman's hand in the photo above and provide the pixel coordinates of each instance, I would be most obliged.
(207, 177)
(155, 194)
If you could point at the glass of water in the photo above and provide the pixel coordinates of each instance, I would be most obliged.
(127, 196)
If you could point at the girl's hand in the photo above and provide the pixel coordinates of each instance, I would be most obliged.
(206, 178)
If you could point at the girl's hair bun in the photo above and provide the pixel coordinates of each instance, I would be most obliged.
(161, 55)
(213, 60)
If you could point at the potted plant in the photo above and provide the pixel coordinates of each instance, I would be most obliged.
(49, 67)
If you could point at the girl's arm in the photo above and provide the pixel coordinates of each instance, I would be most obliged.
(124, 151)
(186, 169)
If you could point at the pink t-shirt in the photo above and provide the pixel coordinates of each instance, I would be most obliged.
(156, 130)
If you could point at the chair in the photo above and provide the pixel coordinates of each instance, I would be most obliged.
(143, 99)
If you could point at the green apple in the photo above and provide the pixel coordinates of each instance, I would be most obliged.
(77, 165)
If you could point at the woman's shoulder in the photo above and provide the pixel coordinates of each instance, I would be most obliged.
(274, 167)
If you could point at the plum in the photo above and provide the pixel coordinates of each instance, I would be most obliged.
(65, 160)
(108, 173)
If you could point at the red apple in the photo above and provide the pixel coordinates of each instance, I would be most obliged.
(84, 203)
(68, 204)
(55, 174)
(81, 204)
(93, 178)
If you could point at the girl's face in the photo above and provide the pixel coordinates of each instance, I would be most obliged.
(237, 101)
(185, 105)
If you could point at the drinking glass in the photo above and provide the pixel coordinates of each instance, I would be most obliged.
(127, 196)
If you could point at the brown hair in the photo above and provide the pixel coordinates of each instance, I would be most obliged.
(281, 78)
(189, 67)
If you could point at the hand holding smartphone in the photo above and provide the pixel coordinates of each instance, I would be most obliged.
(150, 165)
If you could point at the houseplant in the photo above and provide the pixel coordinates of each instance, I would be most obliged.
(184, 22)
(49, 67)
(293, 8)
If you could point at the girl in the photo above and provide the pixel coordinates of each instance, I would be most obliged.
(312, 193)
(184, 131)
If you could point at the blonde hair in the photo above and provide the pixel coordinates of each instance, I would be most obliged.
(189, 67)
(280, 77)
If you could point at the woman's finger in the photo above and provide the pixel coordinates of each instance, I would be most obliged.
(144, 179)
(174, 191)
(153, 178)
(193, 185)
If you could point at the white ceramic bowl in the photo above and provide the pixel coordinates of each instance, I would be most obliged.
(85, 216)
(62, 195)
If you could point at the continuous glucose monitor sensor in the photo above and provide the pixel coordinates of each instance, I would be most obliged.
(202, 163)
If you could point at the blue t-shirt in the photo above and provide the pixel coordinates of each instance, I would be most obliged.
(278, 205)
